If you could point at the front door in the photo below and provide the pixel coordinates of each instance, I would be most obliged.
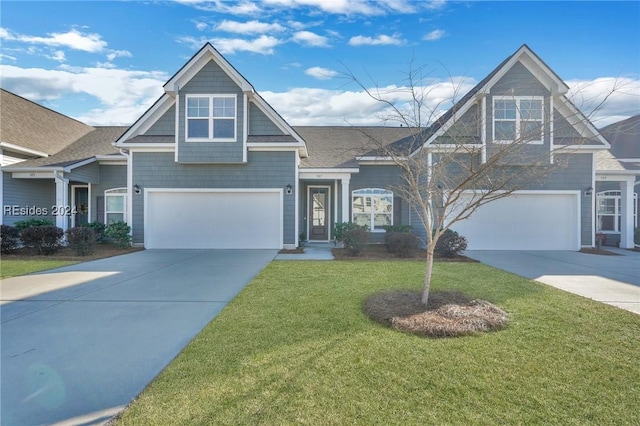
(319, 214)
(80, 208)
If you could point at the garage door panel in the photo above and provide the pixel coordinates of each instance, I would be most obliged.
(226, 220)
(524, 222)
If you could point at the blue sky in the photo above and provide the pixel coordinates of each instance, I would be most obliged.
(105, 62)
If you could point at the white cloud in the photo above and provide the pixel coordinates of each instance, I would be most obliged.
(321, 73)
(309, 38)
(118, 54)
(379, 40)
(250, 27)
(72, 39)
(223, 6)
(263, 45)
(123, 95)
(606, 100)
(201, 26)
(434, 35)
(348, 7)
(58, 55)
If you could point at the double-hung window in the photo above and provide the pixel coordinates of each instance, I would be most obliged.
(608, 212)
(372, 207)
(115, 202)
(518, 118)
(211, 118)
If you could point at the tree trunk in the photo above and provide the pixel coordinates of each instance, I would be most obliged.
(427, 276)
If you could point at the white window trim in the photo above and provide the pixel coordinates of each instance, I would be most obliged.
(518, 120)
(211, 118)
(356, 193)
(617, 214)
(115, 192)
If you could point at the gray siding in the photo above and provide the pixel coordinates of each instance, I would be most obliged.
(260, 124)
(110, 177)
(211, 80)
(466, 129)
(263, 170)
(386, 177)
(39, 193)
(166, 125)
(85, 174)
(575, 174)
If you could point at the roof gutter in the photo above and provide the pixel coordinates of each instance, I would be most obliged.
(23, 150)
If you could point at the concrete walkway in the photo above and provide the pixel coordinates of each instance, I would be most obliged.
(312, 251)
(80, 342)
(614, 280)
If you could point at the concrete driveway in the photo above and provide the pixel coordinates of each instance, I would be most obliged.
(614, 280)
(80, 342)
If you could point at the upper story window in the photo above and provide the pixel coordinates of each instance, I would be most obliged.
(373, 207)
(211, 118)
(518, 118)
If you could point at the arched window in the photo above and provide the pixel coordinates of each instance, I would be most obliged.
(372, 207)
(115, 205)
(608, 214)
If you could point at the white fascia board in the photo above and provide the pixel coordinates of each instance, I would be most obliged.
(206, 54)
(603, 175)
(34, 174)
(540, 70)
(325, 174)
(579, 122)
(149, 118)
(148, 147)
(22, 150)
(277, 120)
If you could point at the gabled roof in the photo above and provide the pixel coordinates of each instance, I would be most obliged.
(624, 137)
(338, 146)
(25, 124)
(187, 72)
(98, 142)
(536, 66)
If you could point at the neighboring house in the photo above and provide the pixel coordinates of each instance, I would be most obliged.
(212, 165)
(618, 182)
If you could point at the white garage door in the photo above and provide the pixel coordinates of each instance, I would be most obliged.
(216, 219)
(525, 221)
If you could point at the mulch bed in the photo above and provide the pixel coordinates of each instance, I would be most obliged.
(448, 313)
(298, 250)
(601, 252)
(379, 252)
(66, 253)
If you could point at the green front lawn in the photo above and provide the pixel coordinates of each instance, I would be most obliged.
(15, 267)
(295, 348)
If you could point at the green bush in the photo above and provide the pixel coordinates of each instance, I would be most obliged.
(42, 239)
(450, 244)
(353, 236)
(402, 244)
(398, 228)
(119, 233)
(9, 238)
(82, 239)
(30, 223)
(98, 228)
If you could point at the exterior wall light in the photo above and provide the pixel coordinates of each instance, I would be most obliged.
(588, 191)
(136, 189)
(289, 189)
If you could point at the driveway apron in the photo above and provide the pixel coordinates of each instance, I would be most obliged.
(84, 340)
(614, 280)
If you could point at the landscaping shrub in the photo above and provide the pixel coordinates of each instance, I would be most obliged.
(98, 228)
(9, 238)
(43, 239)
(398, 228)
(119, 233)
(30, 223)
(450, 244)
(353, 236)
(402, 244)
(82, 239)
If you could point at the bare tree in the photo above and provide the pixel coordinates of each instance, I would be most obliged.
(448, 173)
